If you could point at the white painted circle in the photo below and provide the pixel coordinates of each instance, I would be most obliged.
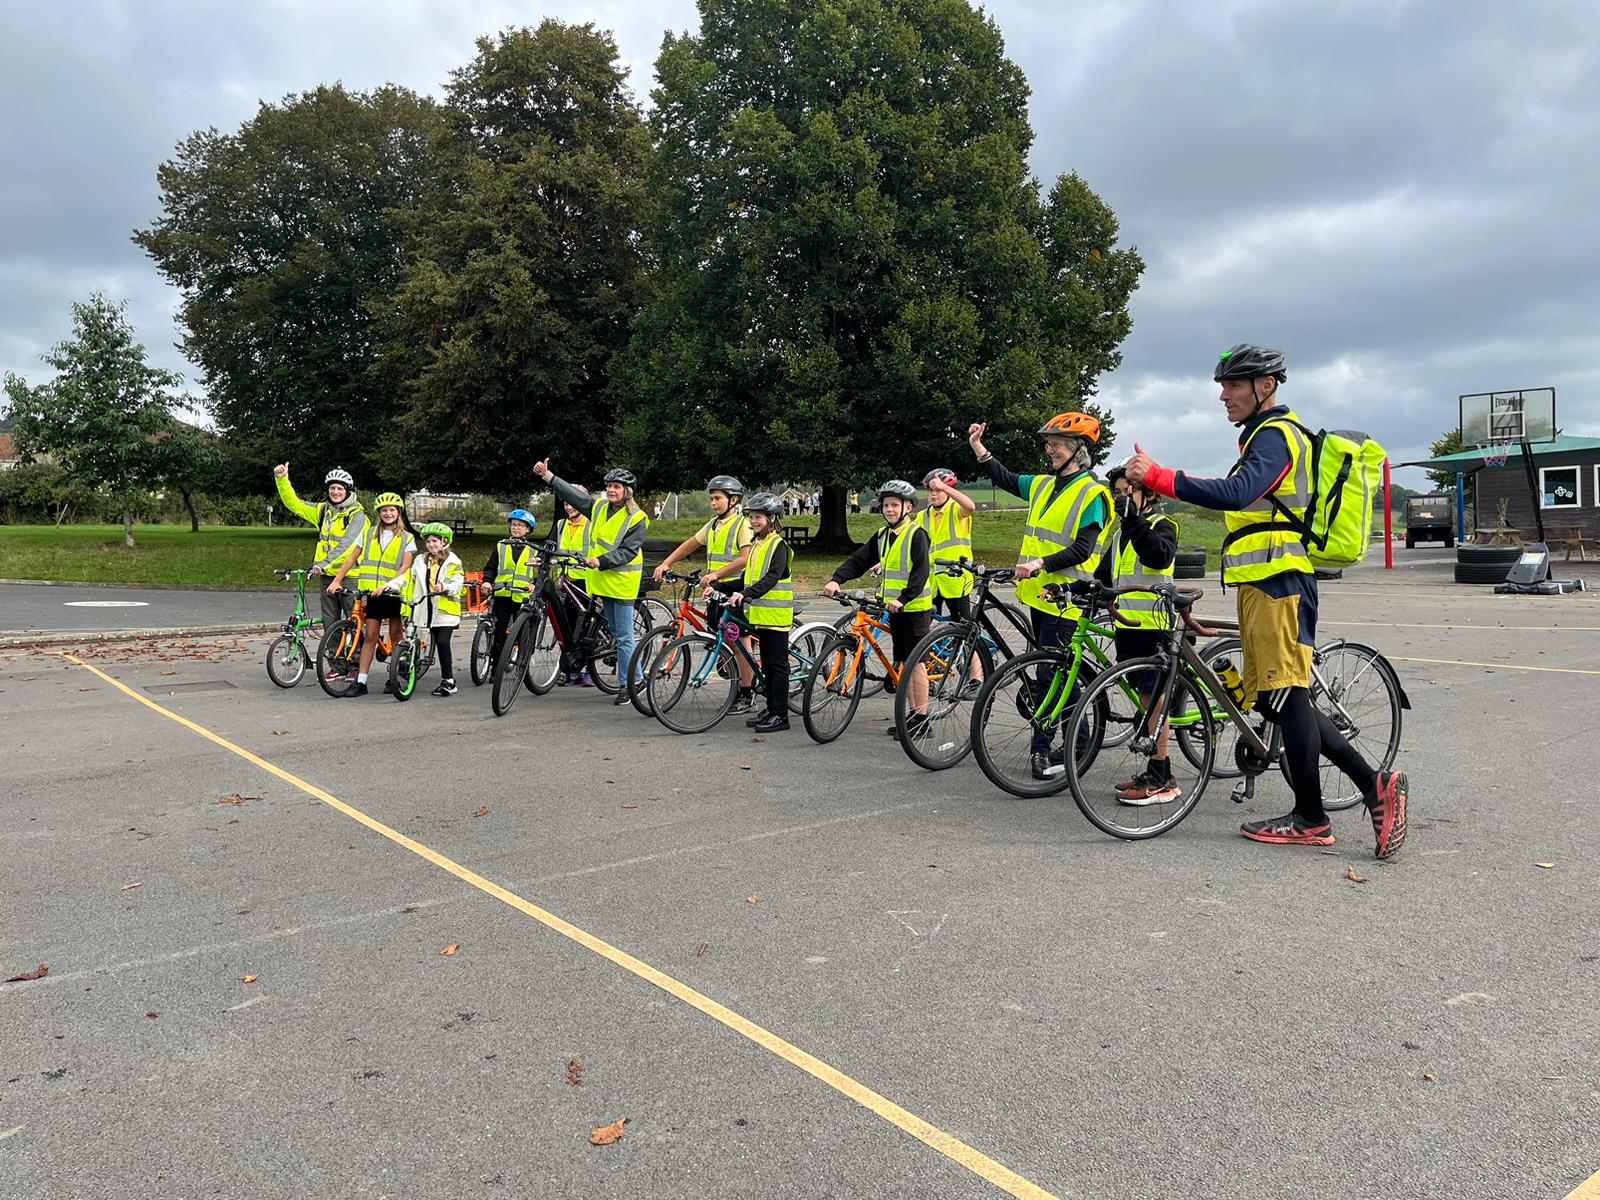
(106, 603)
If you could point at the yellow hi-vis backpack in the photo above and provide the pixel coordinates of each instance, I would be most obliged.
(1347, 479)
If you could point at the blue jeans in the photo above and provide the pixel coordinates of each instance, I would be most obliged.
(619, 616)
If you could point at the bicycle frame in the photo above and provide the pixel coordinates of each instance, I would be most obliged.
(302, 620)
(864, 630)
(735, 644)
(1052, 706)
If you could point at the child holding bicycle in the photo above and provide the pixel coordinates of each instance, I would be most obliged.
(432, 587)
(948, 520)
(902, 549)
(508, 574)
(1143, 551)
(765, 600)
(572, 537)
(385, 554)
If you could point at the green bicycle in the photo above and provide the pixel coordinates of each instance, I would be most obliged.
(287, 657)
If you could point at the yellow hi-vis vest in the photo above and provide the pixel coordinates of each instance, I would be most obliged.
(378, 565)
(897, 573)
(513, 572)
(574, 539)
(1053, 526)
(948, 546)
(418, 586)
(722, 543)
(1261, 542)
(775, 610)
(1142, 607)
(601, 535)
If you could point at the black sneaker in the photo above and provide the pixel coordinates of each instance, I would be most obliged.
(1288, 830)
(772, 723)
(356, 689)
(1046, 766)
(447, 687)
(757, 718)
(916, 727)
(742, 704)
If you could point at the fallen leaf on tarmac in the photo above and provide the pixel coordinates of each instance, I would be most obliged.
(279, 732)
(1353, 876)
(169, 672)
(450, 950)
(95, 689)
(1427, 1079)
(160, 1175)
(745, 767)
(630, 806)
(611, 781)
(30, 679)
(459, 732)
(574, 1073)
(607, 758)
(752, 899)
(1335, 853)
(152, 1014)
(482, 812)
(701, 953)
(236, 799)
(249, 978)
(607, 1134)
(758, 739)
(1552, 1078)
(1546, 866)
(128, 887)
(38, 972)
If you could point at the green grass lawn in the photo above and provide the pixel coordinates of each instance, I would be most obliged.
(227, 556)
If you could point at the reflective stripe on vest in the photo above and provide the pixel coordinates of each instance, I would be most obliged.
(897, 573)
(441, 605)
(601, 536)
(1261, 543)
(1052, 527)
(574, 540)
(946, 547)
(775, 610)
(513, 573)
(379, 564)
(722, 544)
(1143, 608)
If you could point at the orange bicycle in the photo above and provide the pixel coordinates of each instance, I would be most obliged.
(832, 690)
(339, 657)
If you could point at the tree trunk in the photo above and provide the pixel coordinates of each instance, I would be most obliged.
(188, 502)
(127, 522)
(833, 531)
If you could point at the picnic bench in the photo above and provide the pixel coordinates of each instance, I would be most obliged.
(798, 535)
(1571, 540)
(460, 528)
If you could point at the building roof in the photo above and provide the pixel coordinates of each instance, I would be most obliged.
(1563, 444)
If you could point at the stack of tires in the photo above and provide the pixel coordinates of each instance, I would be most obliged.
(1190, 563)
(1485, 564)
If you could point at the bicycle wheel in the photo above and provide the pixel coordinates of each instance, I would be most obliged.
(651, 612)
(339, 655)
(833, 689)
(544, 667)
(873, 677)
(512, 668)
(601, 660)
(1225, 763)
(1096, 782)
(1020, 712)
(403, 670)
(287, 660)
(695, 681)
(806, 644)
(957, 658)
(639, 682)
(1362, 699)
(482, 662)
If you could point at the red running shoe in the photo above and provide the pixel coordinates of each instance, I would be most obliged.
(1288, 831)
(1389, 812)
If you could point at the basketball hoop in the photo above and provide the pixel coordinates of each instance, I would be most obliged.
(1495, 456)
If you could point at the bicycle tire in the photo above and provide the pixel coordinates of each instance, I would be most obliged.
(806, 644)
(482, 662)
(1007, 710)
(654, 612)
(287, 660)
(544, 663)
(639, 669)
(833, 690)
(718, 684)
(340, 653)
(511, 669)
(873, 678)
(403, 671)
(1091, 792)
(946, 738)
(1358, 667)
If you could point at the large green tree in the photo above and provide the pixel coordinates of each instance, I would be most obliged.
(524, 270)
(102, 413)
(284, 238)
(853, 262)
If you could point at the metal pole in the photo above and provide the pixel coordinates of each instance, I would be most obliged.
(1388, 522)
(1461, 506)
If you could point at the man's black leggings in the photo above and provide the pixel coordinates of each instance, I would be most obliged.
(1308, 736)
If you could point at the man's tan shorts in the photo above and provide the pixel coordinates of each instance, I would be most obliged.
(1274, 656)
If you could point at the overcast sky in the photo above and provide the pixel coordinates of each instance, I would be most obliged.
(1403, 196)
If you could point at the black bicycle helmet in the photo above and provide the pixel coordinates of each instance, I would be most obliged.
(623, 476)
(725, 483)
(898, 487)
(1247, 361)
(763, 502)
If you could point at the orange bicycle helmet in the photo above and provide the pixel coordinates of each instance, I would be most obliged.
(1072, 424)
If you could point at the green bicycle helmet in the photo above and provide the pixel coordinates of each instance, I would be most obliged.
(438, 529)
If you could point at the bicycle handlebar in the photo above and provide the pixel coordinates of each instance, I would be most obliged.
(857, 600)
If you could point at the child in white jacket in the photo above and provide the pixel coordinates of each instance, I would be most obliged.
(432, 587)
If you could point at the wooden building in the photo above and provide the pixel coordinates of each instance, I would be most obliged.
(1567, 475)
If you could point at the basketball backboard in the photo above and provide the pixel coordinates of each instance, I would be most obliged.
(1506, 418)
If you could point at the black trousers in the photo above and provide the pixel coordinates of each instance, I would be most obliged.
(774, 644)
(441, 649)
(1050, 629)
(504, 609)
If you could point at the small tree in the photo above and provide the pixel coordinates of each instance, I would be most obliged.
(186, 460)
(100, 415)
(1449, 443)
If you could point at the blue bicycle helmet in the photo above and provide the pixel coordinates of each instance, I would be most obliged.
(523, 515)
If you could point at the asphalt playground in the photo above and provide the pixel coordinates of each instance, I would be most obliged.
(303, 947)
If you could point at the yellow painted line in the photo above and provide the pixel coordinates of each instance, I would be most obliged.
(946, 1144)
(1463, 625)
(1589, 1189)
(1452, 662)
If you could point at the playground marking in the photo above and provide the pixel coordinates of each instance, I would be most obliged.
(946, 1144)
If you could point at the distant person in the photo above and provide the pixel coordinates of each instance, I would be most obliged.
(341, 523)
(855, 501)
